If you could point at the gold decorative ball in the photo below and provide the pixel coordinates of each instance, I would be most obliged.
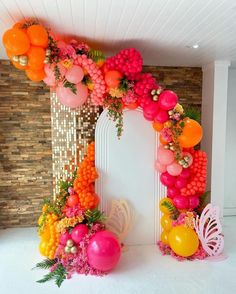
(69, 243)
(73, 249)
(67, 249)
(48, 52)
(15, 58)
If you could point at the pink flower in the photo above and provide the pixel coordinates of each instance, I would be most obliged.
(166, 134)
(73, 211)
(130, 97)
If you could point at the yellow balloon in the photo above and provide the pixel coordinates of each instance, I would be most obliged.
(42, 247)
(164, 237)
(166, 222)
(165, 205)
(183, 241)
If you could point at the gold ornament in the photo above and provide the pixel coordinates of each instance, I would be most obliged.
(73, 249)
(155, 98)
(70, 243)
(46, 60)
(67, 249)
(15, 58)
(48, 52)
(23, 60)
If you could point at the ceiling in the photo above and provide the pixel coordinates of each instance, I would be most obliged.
(161, 29)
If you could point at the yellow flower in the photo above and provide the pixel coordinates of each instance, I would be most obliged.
(115, 92)
(189, 220)
(178, 108)
(68, 222)
(67, 63)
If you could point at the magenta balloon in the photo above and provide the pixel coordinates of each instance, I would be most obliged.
(68, 98)
(193, 202)
(79, 232)
(165, 156)
(172, 192)
(64, 237)
(167, 179)
(103, 251)
(174, 169)
(75, 74)
(181, 202)
(150, 111)
(161, 116)
(167, 100)
(181, 183)
(185, 173)
(161, 168)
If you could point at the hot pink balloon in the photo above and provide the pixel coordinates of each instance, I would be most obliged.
(161, 168)
(193, 202)
(167, 100)
(181, 183)
(167, 180)
(75, 74)
(150, 111)
(185, 173)
(79, 232)
(64, 237)
(174, 169)
(161, 116)
(68, 98)
(181, 202)
(103, 251)
(165, 156)
(173, 192)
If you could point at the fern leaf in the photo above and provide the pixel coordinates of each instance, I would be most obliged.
(46, 263)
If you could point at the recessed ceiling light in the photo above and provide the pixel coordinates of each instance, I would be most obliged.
(195, 46)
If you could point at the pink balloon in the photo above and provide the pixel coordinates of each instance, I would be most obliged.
(193, 202)
(172, 192)
(181, 183)
(49, 70)
(79, 232)
(165, 156)
(103, 251)
(150, 111)
(50, 81)
(64, 237)
(68, 98)
(167, 100)
(189, 155)
(167, 180)
(181, 202)
(75, 74)
(185, 173)
(161, 116)
(174, 169)
(161, 168)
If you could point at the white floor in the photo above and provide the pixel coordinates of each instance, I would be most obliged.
(142, 269)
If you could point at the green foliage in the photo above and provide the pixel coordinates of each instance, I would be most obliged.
(71, 86)
(46, 263)
(124, 85)
(94, 215)
(204, 199)
(96, 55)
(51, 207)
(58, 275)
(193, 113)
(174, 213)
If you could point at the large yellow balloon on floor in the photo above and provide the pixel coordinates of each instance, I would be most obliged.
(183, 241)
(191, 135)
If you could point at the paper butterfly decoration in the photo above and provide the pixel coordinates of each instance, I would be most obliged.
(209, 230)
(120, 219)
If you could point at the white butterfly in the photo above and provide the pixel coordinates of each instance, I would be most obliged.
(209, 230)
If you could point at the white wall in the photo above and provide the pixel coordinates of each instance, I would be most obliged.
(230, 160)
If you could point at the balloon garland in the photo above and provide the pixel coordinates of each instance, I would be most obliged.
(73, 235)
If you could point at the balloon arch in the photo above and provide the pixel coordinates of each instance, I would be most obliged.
(72, 229)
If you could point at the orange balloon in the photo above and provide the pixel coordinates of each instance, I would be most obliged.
(113, 78)
(162, 141)
(38, 35)
(10, 54)
(132, 106)
(36, 57)
(35, 75)
(157, 126)
(191, 135)
(19, 66)
(16, 41)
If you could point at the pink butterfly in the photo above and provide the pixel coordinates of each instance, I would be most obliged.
(209, 230)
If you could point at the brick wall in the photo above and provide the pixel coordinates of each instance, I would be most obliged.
(25, 137)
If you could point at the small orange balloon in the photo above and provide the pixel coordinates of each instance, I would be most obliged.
(157, 126)
(36, 57)
(35, 75)
(113, 78)
(191, 134)
(19, 66)
(10, 54)
(162, 141)
(16, 41)
(165, 237)
(38, 35)
(132, 106)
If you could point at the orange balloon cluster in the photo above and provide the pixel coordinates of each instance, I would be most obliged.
(197, 184)
(84, 182)
(191, 135)
(25, 46)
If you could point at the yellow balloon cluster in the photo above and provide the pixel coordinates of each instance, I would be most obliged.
(166, 222)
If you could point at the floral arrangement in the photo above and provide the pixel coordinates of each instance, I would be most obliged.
(71, 227)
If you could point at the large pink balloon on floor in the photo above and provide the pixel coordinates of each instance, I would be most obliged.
(75, 74)
(167, 100)
(103, 251)
(167, 179)
(68, 98)
(174, 169)
(165, 156)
